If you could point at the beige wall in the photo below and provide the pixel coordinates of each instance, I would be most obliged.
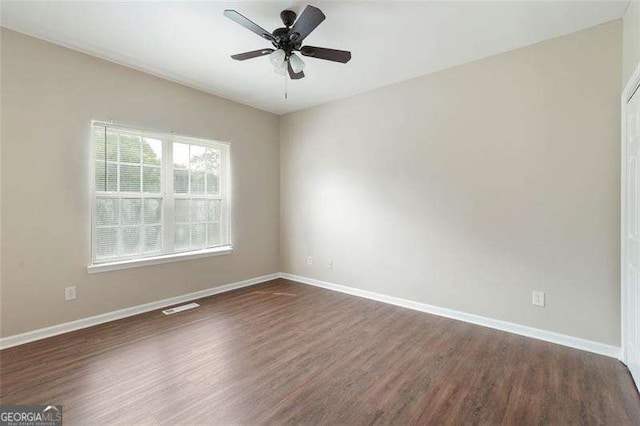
(471, 187)
(49, 96)
(631, 40)
(466, 189)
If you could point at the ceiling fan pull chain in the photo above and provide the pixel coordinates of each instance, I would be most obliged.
(285, 87)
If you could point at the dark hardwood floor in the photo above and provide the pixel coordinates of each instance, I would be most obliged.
(282, 352)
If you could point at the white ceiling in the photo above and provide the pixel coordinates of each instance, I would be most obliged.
(190, 42)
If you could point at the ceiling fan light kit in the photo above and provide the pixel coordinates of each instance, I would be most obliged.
(277, 58)
(297, 64)
(281, 69)
(287, 40)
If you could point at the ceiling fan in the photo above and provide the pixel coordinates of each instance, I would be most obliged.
(287, 40)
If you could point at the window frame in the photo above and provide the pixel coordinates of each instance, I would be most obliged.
(168, 197)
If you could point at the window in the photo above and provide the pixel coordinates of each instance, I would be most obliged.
(156, 195)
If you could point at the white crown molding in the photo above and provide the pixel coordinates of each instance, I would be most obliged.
(522, 330)
(43, 333)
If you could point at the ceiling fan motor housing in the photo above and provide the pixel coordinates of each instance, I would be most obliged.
(280, 33)
(284, 40)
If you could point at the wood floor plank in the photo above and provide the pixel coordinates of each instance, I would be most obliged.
(287, 353)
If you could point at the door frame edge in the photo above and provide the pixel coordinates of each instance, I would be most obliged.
(632, 85)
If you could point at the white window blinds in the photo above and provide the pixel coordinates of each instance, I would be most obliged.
(198, 196)
(157, 194)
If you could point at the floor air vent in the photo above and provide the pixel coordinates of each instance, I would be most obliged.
(180, 308)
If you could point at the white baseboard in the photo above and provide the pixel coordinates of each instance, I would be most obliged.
(549, 336)
(523, 330)
(43, 333)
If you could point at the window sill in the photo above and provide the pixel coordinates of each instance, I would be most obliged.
(157, 260)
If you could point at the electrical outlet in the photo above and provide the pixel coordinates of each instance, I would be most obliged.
(538, 298)
(309, 261)
(69, 293)
(330, 264)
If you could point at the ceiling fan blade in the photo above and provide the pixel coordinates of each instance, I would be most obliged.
(292, 74)
(324, 53)
(250, 55)
(248, 24)
(311, 17)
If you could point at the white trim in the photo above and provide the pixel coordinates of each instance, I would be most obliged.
(632, 85)
(166, 194)
(549, 336)
(157, 260)
(43, 333)
(523, 330)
